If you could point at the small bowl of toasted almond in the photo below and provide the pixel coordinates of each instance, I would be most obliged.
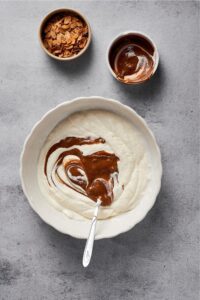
(65, 34)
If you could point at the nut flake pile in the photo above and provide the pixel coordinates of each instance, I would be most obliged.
(65, 35)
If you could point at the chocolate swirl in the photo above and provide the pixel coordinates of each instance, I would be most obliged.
(132, 58)
(91, 175)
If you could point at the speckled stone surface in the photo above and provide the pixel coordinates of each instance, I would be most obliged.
(158, 259)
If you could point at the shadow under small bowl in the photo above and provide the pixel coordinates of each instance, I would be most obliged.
(124, 40)
(67, 12)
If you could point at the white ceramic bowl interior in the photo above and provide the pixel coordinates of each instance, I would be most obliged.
(28, 170)
(146, 37)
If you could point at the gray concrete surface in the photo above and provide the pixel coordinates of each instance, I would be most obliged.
(158, 259)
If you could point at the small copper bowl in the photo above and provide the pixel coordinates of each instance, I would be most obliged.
(70, 12)
(123, 40)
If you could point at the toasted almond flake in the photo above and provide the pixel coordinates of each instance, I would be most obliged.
(67, 19)
(65, 26)
(57, 52)
(53, 34)
(82, 43)
(67, 35)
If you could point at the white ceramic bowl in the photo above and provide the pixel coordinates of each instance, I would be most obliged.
(28, 170)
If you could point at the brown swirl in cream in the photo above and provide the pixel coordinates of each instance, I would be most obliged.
(91, 175)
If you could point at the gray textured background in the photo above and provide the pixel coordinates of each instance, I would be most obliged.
(158, 259)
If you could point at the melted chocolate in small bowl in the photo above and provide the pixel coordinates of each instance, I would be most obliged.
(132, 58)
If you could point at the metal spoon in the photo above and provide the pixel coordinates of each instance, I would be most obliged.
(87, 254)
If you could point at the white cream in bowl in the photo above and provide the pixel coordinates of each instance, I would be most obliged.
(122, 139)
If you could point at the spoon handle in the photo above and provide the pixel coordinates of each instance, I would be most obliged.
(90, 241)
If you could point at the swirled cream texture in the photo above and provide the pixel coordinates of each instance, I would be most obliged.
(90, 155)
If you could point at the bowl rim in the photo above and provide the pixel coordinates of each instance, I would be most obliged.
(104, 234)
(48, 16)
(123, 34)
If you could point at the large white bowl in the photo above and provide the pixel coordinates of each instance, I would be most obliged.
(28, 170)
